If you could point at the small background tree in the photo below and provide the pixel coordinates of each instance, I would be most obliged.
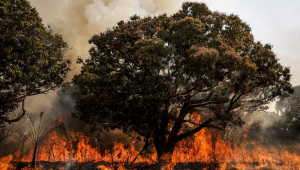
(286, 129)
(38, 131)
(31, 57)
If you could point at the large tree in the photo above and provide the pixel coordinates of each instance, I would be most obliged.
(31, 57)
(149, 75)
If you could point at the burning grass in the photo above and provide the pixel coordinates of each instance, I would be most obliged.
(205, 150)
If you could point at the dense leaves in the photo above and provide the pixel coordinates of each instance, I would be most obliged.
(149, 75)
(31, 56)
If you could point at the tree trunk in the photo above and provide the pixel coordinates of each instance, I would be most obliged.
(21, 153)
(33, 157)
(20, 164)
(164, 153)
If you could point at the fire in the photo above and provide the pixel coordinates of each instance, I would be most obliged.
(58, 149)
(206, 147)
(5, 162)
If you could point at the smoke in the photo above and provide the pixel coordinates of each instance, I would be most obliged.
(77, 21)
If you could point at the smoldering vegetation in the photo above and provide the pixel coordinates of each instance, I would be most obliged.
(278, 129)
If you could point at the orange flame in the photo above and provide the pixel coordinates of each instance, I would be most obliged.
(5, 162)
(206, 147)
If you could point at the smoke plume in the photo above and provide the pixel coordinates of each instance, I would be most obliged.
(77, 21)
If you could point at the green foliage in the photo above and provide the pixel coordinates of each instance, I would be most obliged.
(31, 56)
(149, 74)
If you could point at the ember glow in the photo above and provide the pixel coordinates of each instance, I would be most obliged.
(207, 148)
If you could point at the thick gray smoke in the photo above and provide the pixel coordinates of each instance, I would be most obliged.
(78, 20)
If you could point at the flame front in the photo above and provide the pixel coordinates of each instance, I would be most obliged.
(206, 147)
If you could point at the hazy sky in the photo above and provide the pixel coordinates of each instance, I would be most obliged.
(272, 21)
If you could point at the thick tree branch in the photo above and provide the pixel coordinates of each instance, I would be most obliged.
(234, 100)
(178, 121)
(144, 148)
(205, 103)
(5, 119)
(22, 97)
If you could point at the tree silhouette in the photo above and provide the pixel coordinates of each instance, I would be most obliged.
(149, 75)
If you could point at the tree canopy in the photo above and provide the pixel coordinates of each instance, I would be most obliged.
(151, 74)
(31, 57)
